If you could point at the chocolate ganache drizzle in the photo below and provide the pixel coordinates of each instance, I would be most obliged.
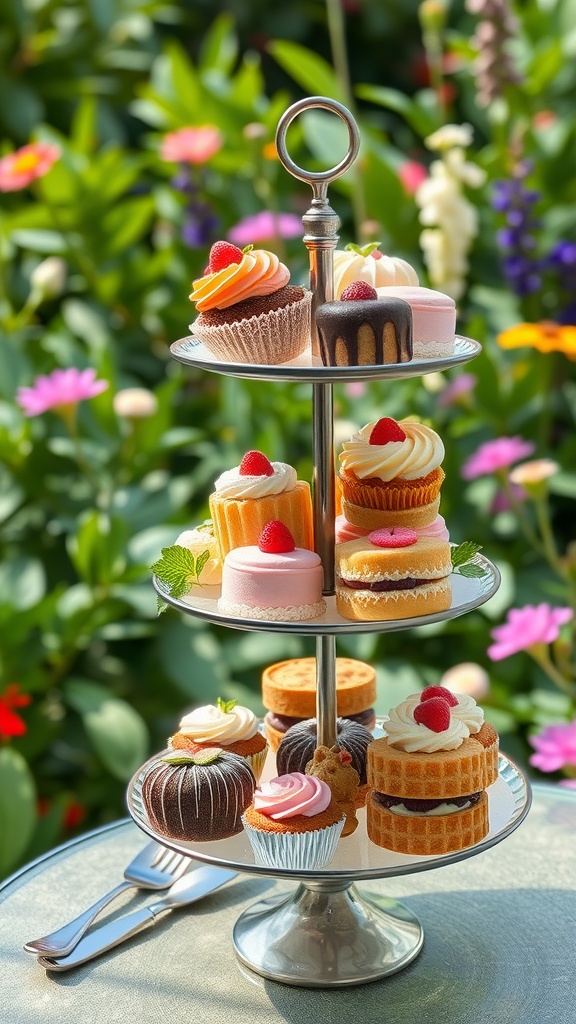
(365, 332)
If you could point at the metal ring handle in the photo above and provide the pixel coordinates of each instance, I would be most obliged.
(317, 177)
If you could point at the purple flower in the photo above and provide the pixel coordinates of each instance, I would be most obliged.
(555, 748)
(61, 389)
(527, 626)
(265, 227)
(494, 455)
(517, 240)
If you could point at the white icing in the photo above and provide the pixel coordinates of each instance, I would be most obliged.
(406, 734)
(432, 572)
(446, 808)
(468, 712)
(418, 455)
(232, 484)
(210, 723)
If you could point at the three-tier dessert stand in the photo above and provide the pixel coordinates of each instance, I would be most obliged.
(327, 932)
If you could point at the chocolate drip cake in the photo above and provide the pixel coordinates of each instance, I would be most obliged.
(365, 332)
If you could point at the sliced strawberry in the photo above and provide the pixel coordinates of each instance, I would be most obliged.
(255, 463)
(276, 538)
(393, 537)
(433, 713)
(222, 254)
(386, 430)
(358, 290)
(439, 691)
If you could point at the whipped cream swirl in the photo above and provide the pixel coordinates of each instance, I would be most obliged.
(232, 484)
(293, 794)
(406, 734)
(211, 724)
(468, 712)
(418, 455)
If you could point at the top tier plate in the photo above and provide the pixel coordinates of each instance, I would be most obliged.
(308, 368)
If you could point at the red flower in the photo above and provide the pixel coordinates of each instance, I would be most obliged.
(74, 814)
(10, 723)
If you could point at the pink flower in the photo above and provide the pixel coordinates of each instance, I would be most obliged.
(412, 174)
(527, 626)
(24, 165)
(555, 746)
(495, 455)
(501, 501)
(355, 389)
(265, 227)
(61, 388)
(191, 145)
(459, 387)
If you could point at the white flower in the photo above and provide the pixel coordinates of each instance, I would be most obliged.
(48, 279)
(450, 135)
(467, 677)
(135, 403)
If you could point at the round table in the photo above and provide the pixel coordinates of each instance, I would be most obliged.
(499, 943)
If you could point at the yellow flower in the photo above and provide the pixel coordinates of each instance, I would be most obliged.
(269, 151)
(545, 336)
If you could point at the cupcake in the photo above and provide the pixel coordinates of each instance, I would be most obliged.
(367, 263)
(272, 580)
(391, 472)
(250, 495)
(429, 773)
(197, 541)
(294, 823)
(392, 574)
(361, 330)
(197, 797)
(249, 313)
(226, 725)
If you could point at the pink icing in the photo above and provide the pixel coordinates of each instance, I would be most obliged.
(290, 795)
(394, 537)
(433, 313)
(262, 579)
(346, 531)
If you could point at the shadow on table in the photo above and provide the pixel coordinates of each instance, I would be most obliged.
(502, 956)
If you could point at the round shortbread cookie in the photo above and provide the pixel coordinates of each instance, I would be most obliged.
(289, 687)
(426, 835)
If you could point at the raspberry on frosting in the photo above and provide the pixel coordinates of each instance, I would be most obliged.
(222, 254)
(357, 291)
(439, 691)
(434, 713)
(276, 538)
(255, 463)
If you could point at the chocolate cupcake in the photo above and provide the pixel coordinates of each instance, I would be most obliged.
(361, 330)
(198, 797)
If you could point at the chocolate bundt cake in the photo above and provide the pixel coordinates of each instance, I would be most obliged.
(300, 742)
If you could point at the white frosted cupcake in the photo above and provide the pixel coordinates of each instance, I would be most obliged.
(226, 725)
(294, 823)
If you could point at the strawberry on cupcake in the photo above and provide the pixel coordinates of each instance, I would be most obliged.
(249, 312)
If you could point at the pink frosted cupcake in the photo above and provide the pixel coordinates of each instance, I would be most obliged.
(294, 823)
(249, 313)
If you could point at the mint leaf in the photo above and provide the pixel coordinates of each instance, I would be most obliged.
(226, 705)
(178, 569)
(201, 562)
(362, 250)
(472, 571)
(161, 605)
(464, 552)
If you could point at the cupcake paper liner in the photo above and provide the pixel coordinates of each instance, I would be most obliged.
(268, 339)
(397, 495)
(299, 851)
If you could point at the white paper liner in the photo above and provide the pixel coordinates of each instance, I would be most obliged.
(268, 339)
(294, 850)
(292, 613)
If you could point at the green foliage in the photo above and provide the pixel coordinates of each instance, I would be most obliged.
(88, 502)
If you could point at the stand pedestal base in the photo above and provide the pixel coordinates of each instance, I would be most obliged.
(327, 934)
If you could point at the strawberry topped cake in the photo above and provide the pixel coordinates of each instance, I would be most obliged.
(429, 773)
(272, 580)
(249, 312)
(250, 495)
(367, 263)
(360, 330)
(390, 474)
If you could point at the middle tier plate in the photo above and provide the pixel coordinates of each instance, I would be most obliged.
(467, 594)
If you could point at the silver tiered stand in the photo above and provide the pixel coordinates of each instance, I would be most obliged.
(327, 932)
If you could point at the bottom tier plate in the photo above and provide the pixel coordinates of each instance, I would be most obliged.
(356, 856)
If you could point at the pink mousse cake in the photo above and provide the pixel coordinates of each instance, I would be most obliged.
(433, 319)
(346, 531)
(273, 580)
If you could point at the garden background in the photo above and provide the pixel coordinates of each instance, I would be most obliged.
(134, 134)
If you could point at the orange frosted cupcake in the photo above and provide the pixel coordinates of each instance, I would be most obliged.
(249, 312)
(226, 725)
(392, 467)
(255, 493)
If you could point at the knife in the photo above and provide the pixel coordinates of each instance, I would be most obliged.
(187, 889)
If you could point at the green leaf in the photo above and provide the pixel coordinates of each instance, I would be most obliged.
(116, 731)
(220, 46)
(418, 119)
(311, 72)
(17, 807)
(226, 705)
(464, 552)
(472, 571)
(179, 570)
(98, 548)
(126, 222)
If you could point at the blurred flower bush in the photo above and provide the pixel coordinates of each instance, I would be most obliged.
(133, 136)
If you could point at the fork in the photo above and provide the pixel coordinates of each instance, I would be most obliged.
(154, 867)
